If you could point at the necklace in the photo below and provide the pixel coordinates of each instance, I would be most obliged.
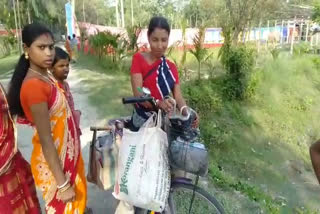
(42, 75)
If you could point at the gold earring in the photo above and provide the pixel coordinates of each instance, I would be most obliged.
(26, 55)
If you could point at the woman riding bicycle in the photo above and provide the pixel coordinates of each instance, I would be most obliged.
(152, 70)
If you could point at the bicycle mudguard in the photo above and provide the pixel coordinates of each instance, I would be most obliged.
(182, 180)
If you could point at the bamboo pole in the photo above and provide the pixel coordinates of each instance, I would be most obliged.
(83, 12)
(16, 25)
(122, 13)
(307, 32)
(19, 27)
(132, 20)
(117, 13)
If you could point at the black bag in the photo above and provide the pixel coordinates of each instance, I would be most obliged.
(190, 157)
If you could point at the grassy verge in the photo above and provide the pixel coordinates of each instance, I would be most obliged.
(260, 147)
(105, 85)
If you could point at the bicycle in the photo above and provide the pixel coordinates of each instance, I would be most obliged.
(200, 201)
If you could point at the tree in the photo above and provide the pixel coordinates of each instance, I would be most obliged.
(200, 52)
(96, 12)
(316, 12)
(237, 15)
(199, 12)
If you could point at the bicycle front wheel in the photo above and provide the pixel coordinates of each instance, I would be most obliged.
(181, 195)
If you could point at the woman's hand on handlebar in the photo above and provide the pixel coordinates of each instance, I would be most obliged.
(195, 123)
(167, 105)
(147, 105)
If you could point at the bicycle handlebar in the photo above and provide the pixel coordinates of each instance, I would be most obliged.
(133, 100)
(103, 128)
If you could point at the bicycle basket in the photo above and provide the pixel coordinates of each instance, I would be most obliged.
(190, 157)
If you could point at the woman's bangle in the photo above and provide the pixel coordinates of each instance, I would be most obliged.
(183, 107)
(62, 190)
(63, 185)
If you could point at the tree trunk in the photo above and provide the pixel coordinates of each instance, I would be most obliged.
(236, 36)
(132, 20)
(16, 25)
(19, 26)
(117, 13)
(97, 17)
(28, 11)
(199, 70)
(83, 13)
(122, 13)
(196, 20)
(292, 37)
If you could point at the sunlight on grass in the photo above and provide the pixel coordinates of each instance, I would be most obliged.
(7, 64)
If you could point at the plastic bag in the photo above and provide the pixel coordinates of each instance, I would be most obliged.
(144, 174)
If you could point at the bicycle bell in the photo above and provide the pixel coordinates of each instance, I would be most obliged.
(145, 91)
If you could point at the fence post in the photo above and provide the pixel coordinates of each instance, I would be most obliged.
(292, 37)
(288, 31)
(307, 33)
(301, 29)
(281, 32)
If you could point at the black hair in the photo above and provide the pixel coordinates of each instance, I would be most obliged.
(60, 54)
(69, 37)
(158, 22)
(29, 34)
(73, 35)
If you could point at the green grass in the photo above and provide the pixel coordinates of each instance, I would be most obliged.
(261, 145)
(7, 64)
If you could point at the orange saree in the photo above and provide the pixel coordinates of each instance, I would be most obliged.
(67, 143)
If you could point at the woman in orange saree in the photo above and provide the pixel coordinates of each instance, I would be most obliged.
(17, 191)
(66, 141)
(56, 163)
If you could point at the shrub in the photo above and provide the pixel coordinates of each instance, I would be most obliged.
(275, 52)
(316, 62)
(238, 62)
(204, 97)
(7, 44)
(301, 48)
(105, 43)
